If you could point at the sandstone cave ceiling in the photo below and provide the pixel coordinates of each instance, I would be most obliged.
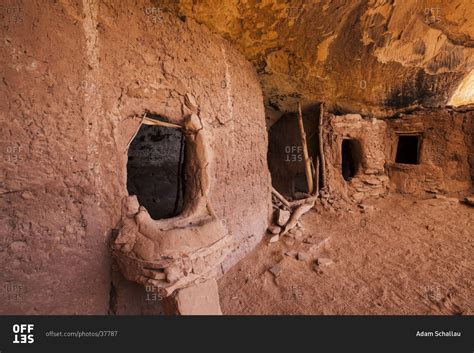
(374, 57)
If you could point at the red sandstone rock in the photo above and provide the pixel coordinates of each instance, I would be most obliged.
(68, 121)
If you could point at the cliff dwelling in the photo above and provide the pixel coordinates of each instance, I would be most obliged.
(237, 157)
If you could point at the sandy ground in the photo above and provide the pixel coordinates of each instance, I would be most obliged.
(404, 256)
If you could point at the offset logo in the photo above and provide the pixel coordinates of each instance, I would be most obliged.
(23, 333)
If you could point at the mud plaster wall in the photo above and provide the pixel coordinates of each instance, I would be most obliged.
(446, 152)
(72, 75)
(371, 178)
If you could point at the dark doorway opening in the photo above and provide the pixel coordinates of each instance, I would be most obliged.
(300, 183)
(351, 158)
(155, 169)
(408, 149)
(285, 153)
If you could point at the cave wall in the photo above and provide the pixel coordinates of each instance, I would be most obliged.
(73, 75)
(360, 56)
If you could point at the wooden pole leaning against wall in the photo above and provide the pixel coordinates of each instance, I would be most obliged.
(322, 160)
(309, 175)
(281, 198)
(316, 176)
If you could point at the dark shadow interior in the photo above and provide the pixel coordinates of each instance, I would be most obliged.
(408, 149)
(285, 152)
(300, 183)
(351, 158)
(155, 170)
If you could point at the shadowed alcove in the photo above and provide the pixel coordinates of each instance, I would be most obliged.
(351, 158)
(408, 149)
(155, 170)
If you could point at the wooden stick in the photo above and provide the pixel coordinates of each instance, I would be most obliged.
(315, 172)
(135, 134)
(150, 121)
(280, 197)
(312, 167)
(316, 176)
(309, 176)
(296, 215)
(306, 200)
(321, 146)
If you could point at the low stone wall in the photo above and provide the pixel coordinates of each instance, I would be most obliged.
(445, 155)
(445, 162)
(370, 178)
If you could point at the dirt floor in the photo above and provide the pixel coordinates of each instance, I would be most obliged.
(401, 255)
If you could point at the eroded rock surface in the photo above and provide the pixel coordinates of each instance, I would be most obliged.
(369, 57)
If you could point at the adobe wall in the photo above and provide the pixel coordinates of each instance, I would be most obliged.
(73, 75)
(446, 154)
(371, 178)
(446, 151)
